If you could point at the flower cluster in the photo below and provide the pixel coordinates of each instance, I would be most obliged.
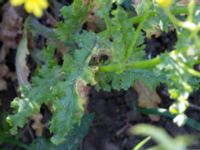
(32, 6)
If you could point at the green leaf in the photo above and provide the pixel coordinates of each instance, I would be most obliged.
(74, 17)
(58, 85)
(118, 36)
(5, 137)
(118, 81)
(142, 143)
(33, 25)
(156, 22)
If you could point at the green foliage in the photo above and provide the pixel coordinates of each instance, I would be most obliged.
(142, 143)
(122, 42)
(74, 17)
(58, 85)
(125, 80)
(36, 28)
(120, 30)
(157, 20)
(6, 137)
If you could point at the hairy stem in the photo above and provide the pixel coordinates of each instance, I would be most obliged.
(136, 34)
(145, 64)
(191, 7)
(175, 11)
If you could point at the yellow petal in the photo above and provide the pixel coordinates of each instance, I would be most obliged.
(17, 2)
(43, 4)
(164, 3)
(37, 11)
(36, 6)
(28, 7)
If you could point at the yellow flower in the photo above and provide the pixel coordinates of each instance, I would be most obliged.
(17, 2)
(32, 6)
(164, 3)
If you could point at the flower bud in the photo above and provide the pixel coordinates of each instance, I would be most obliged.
(164, 3)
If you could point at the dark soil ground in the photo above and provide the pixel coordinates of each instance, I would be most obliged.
(115, 115)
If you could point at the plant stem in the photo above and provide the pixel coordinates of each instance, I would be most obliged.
(184, 24)
(175, 11)
(173, 18)
(191, 10)
(136, 34)
(145, 64)
(137, 19)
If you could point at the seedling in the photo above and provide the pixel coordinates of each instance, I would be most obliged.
(122, 41)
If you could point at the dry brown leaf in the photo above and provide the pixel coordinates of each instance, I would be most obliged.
(3, 85)
(147, 98)
(37, 125)
(11, 27)
(85, 2)
(11, 76)
(61, 51)
(83, 91)
(3, 70)
(94, 23)
(3, 51)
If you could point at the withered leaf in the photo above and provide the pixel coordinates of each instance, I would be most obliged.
(37, 125)
(147, 98)
(11, 27)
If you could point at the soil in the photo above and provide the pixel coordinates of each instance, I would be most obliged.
(114, 115)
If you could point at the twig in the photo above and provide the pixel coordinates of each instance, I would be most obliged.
(121, 130)
(31, 133)
(53, 21)
(194, 106)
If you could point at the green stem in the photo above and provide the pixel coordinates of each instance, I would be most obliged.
(136, 34)
(173, 18)
(191, 10)
(108, 23)
(184, 24)
(189, 70)
(138, 19)
(175, 11)
(145, 64)
(142, 143)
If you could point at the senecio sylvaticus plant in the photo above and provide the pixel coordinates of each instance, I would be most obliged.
(121, 40)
